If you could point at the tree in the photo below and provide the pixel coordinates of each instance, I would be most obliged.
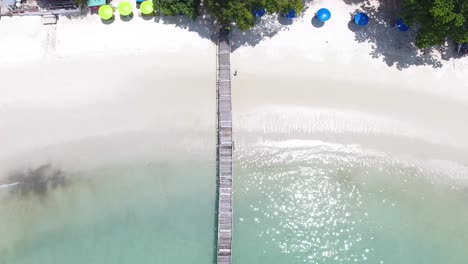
(177, 7)
(240, 12)
(228, 11)
(283, 6)
(437, 20)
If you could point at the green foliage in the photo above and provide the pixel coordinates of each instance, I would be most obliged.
(227, 11)
(283, 6)
(240, 12)
(177, 7)
(438, 20)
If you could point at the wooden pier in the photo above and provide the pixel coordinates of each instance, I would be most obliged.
(224, 149)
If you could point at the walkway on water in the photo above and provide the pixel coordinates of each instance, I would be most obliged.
(224, 149)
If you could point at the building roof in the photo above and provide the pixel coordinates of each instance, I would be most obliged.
(96, 2)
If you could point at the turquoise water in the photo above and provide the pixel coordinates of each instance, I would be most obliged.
(324, 204)
(301, 204)
(157, 213)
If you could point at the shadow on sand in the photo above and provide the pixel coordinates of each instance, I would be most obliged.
(147, 17)
(316, 22)
(204, 26)
(127, 18)
(396, 48)
(265, 28)
(108, 22)
(285, 21)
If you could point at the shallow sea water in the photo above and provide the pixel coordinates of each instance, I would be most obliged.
(156, 213)
(330, 203)
(310, 203)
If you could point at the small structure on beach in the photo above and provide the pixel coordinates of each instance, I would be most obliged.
(258, 11)
(19, 8)
(49, 10)
(291, 14)
(323, 14)
(125, 8)
(106, 12)
(147, 7)
(361, 19)
(401, 25)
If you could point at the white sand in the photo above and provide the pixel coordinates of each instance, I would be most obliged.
(320, 83)
(93, 96)
(81, 90)
(24, 39)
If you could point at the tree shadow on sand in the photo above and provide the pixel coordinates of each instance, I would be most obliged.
(204, 26)
(207, 28)
(396, 48)
(265, 28)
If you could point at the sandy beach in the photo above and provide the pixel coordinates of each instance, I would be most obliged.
(82, 79)
(326, 83)
(104, 101)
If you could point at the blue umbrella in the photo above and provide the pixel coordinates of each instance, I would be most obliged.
(323, 14)
(401, 25)
(291, 14)
(361, 19)
(258, 12)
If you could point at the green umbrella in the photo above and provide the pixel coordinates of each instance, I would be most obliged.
(106, 12)
(147, 7)
(125, 8)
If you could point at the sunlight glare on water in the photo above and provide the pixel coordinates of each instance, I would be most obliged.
(336, 204)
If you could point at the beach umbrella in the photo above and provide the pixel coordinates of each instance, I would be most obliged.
(401, 25)
(258, 12)
(147, 7)
(106, 12)
(125, 8)
(291, 14)
(323, 14)
(361, 19)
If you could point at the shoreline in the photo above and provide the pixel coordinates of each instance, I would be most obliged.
(142, 82)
